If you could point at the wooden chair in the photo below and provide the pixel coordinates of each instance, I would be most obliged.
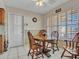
(54, 41)
(42, 39)
(35, 48)
(72, 47)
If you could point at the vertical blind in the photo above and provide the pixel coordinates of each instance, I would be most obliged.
(67, 24)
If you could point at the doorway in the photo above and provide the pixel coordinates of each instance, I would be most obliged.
(15, 30)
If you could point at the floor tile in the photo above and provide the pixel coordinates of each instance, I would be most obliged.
(21, 53)
(23, 57)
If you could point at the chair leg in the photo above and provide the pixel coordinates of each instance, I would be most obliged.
(75, 57)
(53, 48)
(42, 56)
(72, 56)
(57, 47)
(33, 56)
(63, 53)
(28, 52)
(42, 52)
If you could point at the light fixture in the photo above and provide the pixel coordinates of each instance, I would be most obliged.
(39, 2)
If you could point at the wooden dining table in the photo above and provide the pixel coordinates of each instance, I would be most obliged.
(43, 40)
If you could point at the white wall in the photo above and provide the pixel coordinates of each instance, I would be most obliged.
(32, 26)
(2, 4)
(28, 18)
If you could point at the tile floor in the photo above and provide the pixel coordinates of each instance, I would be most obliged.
(21, 53)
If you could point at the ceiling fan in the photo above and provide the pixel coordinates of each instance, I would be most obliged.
(43, 2)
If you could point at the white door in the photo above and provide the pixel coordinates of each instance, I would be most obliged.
(15, 34)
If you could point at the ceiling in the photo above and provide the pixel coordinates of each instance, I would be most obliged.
(30, 5)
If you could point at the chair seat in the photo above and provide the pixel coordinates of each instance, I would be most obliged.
(47, 50)
(71, 46)
(70, 50)
(36, 46)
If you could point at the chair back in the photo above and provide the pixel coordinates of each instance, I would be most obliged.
(76, 37)
(74, 43)
(43, 34)
(55, 35)
(31, 39)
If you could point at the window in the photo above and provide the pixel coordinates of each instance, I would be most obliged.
(62, 25)
(72, 24)
(65, 23)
